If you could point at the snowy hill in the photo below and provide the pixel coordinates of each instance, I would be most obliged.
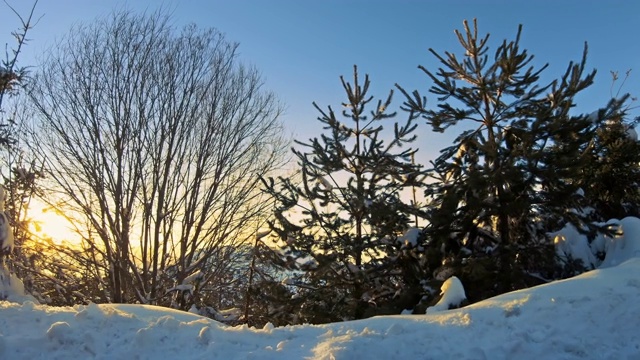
(592, 316)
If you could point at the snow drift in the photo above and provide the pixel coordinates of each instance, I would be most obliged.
(592, 316)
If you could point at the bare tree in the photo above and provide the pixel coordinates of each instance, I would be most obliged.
(154, 139)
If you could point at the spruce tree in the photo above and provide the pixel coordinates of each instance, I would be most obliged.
(343, 241)
(511, 174)
(610, 181)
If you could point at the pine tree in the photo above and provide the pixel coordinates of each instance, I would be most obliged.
(610, 181)
(12, 80)
(343, 242)
(511, 174)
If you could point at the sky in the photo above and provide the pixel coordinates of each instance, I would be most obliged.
(303, 47)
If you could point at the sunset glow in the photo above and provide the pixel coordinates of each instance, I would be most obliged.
(46, 222)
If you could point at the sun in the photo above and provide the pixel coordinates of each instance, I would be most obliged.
(47, 222)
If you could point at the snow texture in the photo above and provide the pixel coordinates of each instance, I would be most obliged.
(632, 134)
(197, 276)
(263, 233)
(452, 293)
(327, 185)
(625, 245)
(595, 315)
(6, 233)
(11, 288)
(592, 316)
(571, 244)
(410, 237)
(622, 246)
(594, 117)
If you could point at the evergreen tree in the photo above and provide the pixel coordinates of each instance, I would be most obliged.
(19, 180)
(268, 298)
(511, 174)
(342, 245)
(610, 181)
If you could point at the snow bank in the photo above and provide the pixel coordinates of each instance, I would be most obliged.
(12, 288)
(622, 246)
(625, 245)
(591, 316)
(571, 244)
(452, 293)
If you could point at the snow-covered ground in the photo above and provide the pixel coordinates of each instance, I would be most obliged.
(593, 316)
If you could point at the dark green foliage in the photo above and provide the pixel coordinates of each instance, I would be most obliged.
(611, 178)
(342, 244)
(512, 174)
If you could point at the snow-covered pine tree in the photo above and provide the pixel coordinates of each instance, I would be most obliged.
(342, 243)
(610, 180)
(6, 248)
(12, 78)
(511, 174)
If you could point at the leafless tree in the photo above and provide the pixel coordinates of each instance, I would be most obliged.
(154, 139)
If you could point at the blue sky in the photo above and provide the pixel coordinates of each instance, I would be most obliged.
(302, 47)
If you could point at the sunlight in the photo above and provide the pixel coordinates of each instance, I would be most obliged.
(47, 223)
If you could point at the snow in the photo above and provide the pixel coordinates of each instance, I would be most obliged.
(622, 246)
(307, 263)
(262, 234)
(594, 116)
(11, 287)
(625, 245)
(327, 185)
(592, 316)
(570, 243)
(452, 293)
(6, 233)
(183, 287)
(595, 315)
(410, 237)
(632, 134)
(197, 276)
